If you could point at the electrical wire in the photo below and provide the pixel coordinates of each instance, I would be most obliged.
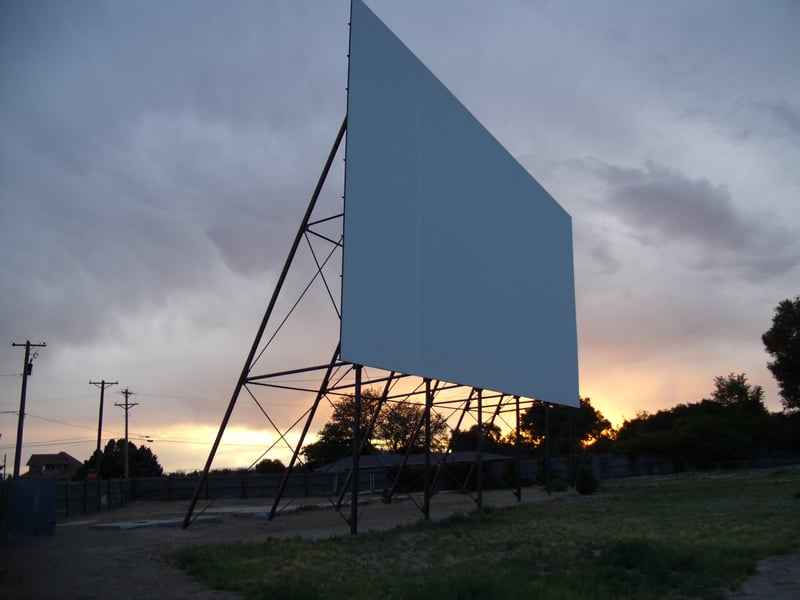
(27, 414)
(48, 443)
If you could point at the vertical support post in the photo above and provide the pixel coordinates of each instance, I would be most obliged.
(27, 368)
(99, 441)
(547, 446)
(518, 451)
(356, 452)
(388, 493)
(287, 472)
(125, 449)
(572, 447)
(102, 384)
(66, 497)
(426, 506)
(367, 433)
(479, 460)
(100, 418)
(21, 419)
(464, 410)
(126, 406)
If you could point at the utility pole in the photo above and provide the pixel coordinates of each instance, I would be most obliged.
(27, 369)
(102, 384)
(127, 406)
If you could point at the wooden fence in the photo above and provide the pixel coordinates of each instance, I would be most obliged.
(83, 497)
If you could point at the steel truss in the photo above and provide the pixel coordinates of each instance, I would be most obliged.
(338, 378)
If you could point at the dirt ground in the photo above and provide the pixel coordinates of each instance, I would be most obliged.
(94, 557)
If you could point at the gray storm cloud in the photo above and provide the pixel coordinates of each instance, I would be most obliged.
(155, 160)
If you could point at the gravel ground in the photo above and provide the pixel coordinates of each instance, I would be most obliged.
(89, 558)
(778, 578)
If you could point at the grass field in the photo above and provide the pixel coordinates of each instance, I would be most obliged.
(692, 535)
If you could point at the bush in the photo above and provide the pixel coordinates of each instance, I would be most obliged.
(585, 481)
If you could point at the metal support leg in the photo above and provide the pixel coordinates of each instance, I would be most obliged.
(367, 433)
(426, 510)
(323, 388)
(479, 460)
(517, 452)
(440, 466)
(356, 452)
(547, 446)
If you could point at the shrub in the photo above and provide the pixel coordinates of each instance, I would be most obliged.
(585, 481)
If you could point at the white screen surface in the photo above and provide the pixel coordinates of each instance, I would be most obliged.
(457, 263)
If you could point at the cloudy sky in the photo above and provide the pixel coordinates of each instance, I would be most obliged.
(156, 159)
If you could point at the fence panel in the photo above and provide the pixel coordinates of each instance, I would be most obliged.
(78, 498)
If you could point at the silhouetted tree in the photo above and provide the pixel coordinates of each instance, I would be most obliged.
(335, 439)
(492, 439)
(590, 429)
(732, 425)
(782, 342)
(141, 461)
(394, 429)
(733, 391)
(270, 465)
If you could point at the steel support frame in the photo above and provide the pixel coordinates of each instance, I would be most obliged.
(367, 431)
(248, 364)
(328, 385)
(356, 453)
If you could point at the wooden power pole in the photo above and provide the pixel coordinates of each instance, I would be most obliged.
(127, 406)
(103, 384)
(27, 369)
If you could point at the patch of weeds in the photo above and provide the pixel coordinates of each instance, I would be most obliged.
(782, 472)
(646, 537)
(585, 481)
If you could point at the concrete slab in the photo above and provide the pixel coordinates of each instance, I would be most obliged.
(145, 523)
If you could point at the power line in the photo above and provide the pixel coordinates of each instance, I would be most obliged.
(173, 397)
(207, 442)
(31, 415)
(204, 442)
(41, 418)
(58, 422)
(48, 443)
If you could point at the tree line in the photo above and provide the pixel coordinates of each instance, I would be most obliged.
(732, 424)
(141, 462)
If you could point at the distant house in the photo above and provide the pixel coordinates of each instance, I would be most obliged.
(52, 466)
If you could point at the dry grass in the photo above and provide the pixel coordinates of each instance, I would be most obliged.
(649, 537)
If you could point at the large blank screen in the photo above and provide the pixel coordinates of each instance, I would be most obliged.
(457, 263)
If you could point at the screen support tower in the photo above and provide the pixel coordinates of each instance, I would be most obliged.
(334, 380)
(457, 267)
